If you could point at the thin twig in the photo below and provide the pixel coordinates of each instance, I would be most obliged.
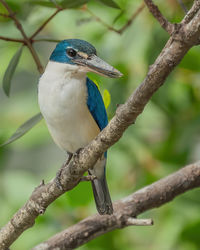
(56, 4)
(46, 40)
(183, 6)
(169, 27)
(11, 39)
(45, 23)
(98, 19)
(123, 28)
(135, 14)
(26, 39)
(4, 15)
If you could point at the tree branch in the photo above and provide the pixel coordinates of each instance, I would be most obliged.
(183, 6)
(125, 210)
(4, 15)
(47, 40)
(126, 114)
(45, 23)
(11, 39)
(98, 19)
(169, 27)
(135, 14)
(32, 40)
(28, 41)
(109, 27)
(192, 12)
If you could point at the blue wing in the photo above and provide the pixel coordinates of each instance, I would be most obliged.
(97, 109)
(96, 105)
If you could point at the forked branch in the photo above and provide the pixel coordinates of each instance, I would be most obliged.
(27, 41)
(169, 27)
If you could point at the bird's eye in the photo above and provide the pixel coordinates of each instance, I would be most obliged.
(71, 52)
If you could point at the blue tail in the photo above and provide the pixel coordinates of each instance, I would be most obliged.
(102, 195)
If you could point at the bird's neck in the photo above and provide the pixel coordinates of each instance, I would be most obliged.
(56, 70)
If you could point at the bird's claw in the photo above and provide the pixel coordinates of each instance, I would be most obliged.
(58, 175)
(58, 179)
(77, 152)
(88, 178)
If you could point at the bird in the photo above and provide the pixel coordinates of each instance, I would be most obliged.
(73, 108)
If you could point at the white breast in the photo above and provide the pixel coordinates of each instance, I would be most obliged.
(62, 96)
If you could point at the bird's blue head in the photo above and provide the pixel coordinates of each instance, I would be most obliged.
(83, 54)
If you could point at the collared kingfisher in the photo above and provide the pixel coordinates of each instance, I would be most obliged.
(73, 107)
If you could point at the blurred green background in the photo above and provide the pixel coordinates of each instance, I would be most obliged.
(165, 137)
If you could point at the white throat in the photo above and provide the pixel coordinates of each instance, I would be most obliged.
(61, 85)
(54, 69)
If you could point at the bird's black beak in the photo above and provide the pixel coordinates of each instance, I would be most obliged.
(95, 64)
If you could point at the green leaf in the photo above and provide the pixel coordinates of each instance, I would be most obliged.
(110, 3)
(118, 17)
(24, 128)
(73, 3)
(10, 71)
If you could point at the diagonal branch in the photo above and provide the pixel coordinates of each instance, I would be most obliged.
(135, 14)
(169, 27)
(123, 28)
(45, 23)
(192, 12)
(125, 210)
(98, 19)
(183, 6)
(4, 15)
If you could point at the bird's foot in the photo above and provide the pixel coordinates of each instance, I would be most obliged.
(57, 180)
(88, 178)
(77, 152)
(58, 175)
